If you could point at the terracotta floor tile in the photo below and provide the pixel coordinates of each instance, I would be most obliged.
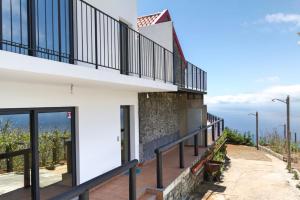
(117, 189)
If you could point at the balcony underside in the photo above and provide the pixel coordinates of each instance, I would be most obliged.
(190, 90)
(16, 67)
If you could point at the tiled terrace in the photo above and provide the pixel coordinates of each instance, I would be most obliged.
(117, 188)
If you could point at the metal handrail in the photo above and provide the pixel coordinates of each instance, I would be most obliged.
(82, 190)
(188, 136)
(195, 133)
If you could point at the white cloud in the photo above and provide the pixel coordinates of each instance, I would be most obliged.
(280, 18)
(269, 79)
(264, 96)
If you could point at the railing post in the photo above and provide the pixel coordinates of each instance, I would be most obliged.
(159, 173)
(174, 70)
(219, 128)
(59, 29)
(132, 183)
(31, 27)
(181, 73)
(96, 39)
(153, 61)
(181, 155)
(187, 76)
(71, 31)
(196, 78)
(165, 67)
(26, 170)
(213, 132)
(196, 149)
(192, 76)
(222, 125)
(205, 137)
(84, 196)
(140, 57)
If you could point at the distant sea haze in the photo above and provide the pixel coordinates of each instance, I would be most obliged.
(47, 121)
(271, 117)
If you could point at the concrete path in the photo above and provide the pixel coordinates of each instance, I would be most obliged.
(251, 175)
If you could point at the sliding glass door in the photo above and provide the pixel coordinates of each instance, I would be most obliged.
(37, 152)
(15, 155)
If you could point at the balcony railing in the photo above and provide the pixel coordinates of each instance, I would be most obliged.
(189, 77)
(74, 31)
(82, 190)
(218, 125)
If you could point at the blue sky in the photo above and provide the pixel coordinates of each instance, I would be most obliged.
(249, 49)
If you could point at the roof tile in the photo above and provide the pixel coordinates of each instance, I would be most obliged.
(147, 20)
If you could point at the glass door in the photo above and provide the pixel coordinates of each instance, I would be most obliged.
(15, 155)
(37, 152)
(56, 151)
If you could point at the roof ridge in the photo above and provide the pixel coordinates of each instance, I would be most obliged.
(158, 13)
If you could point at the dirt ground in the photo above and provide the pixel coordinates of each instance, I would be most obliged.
(251, 174)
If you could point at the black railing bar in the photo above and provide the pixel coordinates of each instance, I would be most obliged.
(102, 12)
(82, 188)
(46, 51)
(195, 66)
(149, 39)
(14, 153)
(188, 136)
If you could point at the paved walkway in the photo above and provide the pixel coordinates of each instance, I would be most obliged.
(251, 175)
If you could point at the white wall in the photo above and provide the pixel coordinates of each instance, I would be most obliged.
(161, 33)
(121, 10)
(17, 66)
(98, 120)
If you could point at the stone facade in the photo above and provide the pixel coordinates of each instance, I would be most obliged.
(187, 184)
(164, 118)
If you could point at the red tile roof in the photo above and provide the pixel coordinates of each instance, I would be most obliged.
(147, 20)
(163, 16)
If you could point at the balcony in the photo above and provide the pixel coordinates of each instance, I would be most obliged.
(75, 32)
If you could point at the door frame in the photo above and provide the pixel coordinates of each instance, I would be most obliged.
(33, 129)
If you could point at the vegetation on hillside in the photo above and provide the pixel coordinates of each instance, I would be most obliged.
(52, 147)
(236, 137)
(277, 143)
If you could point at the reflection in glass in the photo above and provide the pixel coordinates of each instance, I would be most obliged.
(15, 157)
(55, 154)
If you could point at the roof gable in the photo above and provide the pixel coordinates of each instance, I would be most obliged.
(157, 18)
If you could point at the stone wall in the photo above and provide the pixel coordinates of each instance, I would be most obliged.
(187, 184)
(159, 121)
(163, 119)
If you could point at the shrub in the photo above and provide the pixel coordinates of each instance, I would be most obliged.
(235, 137)
(296, 175)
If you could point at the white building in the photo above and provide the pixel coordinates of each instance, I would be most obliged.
(85, 62)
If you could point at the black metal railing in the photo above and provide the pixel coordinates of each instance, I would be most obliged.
(195, 134)
(215, 129)
(82, 190)
(188, 76)
(76, 32)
